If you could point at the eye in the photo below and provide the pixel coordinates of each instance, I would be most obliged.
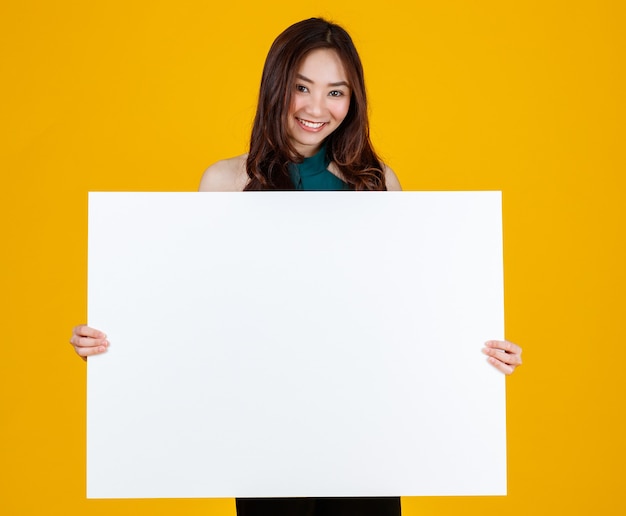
(301, 88)
(336, 93)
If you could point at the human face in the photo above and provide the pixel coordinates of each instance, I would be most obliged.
(320, 100)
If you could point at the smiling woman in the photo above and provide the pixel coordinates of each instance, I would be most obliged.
(312, 101)
(320, 101)
(310, 132)
(312, 95)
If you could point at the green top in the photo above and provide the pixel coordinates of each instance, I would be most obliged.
(313, 174)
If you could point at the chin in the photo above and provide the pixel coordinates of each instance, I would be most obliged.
(309, 146)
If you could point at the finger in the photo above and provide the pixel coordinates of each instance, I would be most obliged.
(501, 366)
(82, 330)
(87, 342)
(504, 345)
(503, 356)
(88, 352)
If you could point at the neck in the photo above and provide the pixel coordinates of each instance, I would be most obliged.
(308, 150)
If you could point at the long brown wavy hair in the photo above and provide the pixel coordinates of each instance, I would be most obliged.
(349, 146)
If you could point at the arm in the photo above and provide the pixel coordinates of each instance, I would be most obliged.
(393, 184)
(224, 176)
(228, 175)
(503, 355)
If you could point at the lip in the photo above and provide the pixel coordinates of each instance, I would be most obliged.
(303, 121)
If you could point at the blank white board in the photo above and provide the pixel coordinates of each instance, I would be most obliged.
(295, 344)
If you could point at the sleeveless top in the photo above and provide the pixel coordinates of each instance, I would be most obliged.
(313, 174)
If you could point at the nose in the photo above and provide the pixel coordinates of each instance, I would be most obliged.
(316, 105)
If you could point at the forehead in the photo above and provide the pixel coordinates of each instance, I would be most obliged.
(323, 66)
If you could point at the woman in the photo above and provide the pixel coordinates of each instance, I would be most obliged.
(311, 132)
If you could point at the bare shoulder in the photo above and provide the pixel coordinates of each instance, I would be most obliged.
(227, 175)
(393, 184)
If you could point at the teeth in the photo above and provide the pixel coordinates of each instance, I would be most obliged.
(312, 125)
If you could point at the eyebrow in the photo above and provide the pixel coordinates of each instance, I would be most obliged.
(306, 79)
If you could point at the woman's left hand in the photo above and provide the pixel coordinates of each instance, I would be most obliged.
(503, 355)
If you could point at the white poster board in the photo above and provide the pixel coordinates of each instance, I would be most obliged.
(295, 344)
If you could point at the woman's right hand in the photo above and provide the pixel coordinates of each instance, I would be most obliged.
(88, 341)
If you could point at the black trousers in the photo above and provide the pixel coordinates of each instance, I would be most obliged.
(389, 506)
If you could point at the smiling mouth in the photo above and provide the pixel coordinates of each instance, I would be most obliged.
(309, 124)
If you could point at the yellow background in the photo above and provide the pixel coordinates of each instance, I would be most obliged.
(522, 96)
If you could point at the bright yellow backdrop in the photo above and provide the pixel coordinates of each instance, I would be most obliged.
(522, 96)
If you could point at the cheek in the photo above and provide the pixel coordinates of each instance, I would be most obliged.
(296, 105)
(340, 110)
